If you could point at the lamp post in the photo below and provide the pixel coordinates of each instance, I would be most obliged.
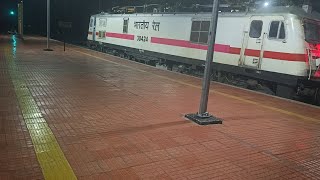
(203, 117)
(48, 27)
(12, 21)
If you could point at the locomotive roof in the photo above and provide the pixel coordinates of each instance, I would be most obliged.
(289, 10)
(265, 11)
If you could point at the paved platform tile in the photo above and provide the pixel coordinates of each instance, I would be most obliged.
(88, 115)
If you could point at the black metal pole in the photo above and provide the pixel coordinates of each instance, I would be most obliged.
(203, 117)
(48, 26)
(20, 19)
(209, 59)
(64, 40)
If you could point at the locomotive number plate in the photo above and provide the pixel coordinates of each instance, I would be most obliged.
(143, 38)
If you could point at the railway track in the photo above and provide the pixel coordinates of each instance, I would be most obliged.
(236, 81)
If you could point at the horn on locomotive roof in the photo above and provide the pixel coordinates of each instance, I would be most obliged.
(137, 9)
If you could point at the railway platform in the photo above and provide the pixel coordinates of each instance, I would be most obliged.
(82, 114)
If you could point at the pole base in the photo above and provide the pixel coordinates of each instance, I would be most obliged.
(20, 36)
(48, 49)
(203, 119)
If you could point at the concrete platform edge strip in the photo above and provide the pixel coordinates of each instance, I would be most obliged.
(51, 159)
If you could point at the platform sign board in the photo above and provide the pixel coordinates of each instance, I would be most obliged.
(65, 25)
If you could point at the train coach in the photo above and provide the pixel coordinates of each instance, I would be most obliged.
(278, 47)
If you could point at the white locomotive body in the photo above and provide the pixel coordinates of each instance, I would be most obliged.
(281, 45)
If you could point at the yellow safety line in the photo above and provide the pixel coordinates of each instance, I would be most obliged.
(215, 91)
(52, 161)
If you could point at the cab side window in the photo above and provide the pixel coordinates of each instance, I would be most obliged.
(255, 29)
(277, 30)
(200, 32)
(103, 22)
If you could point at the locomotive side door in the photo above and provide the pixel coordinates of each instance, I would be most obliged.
(254, 42)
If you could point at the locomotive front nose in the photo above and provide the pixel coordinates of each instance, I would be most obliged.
(313, 60)
(316, 58)
(317, 73)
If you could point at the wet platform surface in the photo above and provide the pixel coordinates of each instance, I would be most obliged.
(87, 115)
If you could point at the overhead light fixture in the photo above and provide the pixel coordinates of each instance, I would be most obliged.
(266, 4)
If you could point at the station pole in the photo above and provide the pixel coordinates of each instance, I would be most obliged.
(48, 26)
(209, 59)
(20, 19)
(203, 117)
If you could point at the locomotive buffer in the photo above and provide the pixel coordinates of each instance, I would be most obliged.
(203, 117)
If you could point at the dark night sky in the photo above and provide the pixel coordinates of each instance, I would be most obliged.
(5, 7)
(77, 11)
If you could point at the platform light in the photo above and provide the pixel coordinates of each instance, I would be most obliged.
(266, 4)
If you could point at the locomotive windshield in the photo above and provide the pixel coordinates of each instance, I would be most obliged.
(312, 32)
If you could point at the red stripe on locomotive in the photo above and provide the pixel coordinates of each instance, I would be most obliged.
(120, 36)
(230, 50)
